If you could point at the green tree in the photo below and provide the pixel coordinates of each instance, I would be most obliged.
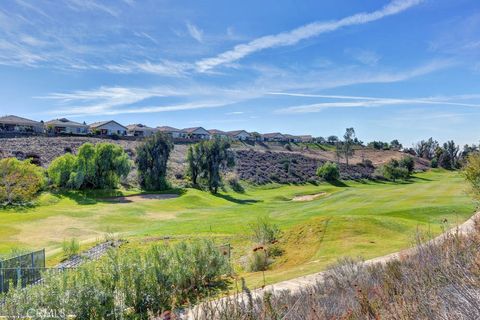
(152, 158)
(62, 171)
(348, 143)
(395, 144)
(20, 181)
(407, 163)
(426, 148)
(95, 167)
(111, 163)
(472, 172)
(329, 171)
(207, 159)
(84, 175)
(195, 162)
(448, 155)
(217, 157)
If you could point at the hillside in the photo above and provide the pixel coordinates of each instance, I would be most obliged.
(256, 162)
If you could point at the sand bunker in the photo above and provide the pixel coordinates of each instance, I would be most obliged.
(141, 197)
(309, 197)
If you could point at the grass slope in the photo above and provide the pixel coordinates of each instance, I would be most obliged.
(356, 219)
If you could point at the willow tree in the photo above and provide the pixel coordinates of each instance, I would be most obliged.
(152, 158)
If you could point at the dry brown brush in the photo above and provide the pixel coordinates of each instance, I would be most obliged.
(440, 280)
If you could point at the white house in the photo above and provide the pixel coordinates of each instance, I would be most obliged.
(172, 132)
(140, 130)
(196, 133)
(12, 123)
(64, 125)
(108, 128)
(241, 135)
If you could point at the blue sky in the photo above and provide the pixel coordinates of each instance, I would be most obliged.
(391, 69)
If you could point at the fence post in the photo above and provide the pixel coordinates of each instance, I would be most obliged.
(1, 278)
(19, 276)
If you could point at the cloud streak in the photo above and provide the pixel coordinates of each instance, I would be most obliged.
(302, 33)
(195, 32)
(366, 102)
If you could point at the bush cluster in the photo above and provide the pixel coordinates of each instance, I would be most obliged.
(329, 171)
(126, 284)
(20, 181)
(94, 167)
(397, 169)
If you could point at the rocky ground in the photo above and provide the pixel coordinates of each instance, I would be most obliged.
(257, 163)
(288, 167)
(93, 253)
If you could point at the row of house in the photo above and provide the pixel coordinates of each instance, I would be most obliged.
(13, 123)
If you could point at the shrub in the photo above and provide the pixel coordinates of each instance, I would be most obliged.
(139, 282)
(258, 260)
(407, 163)
(235, 184)
(393, 171)
(70, 248)
(434, 163)
(264, 231)
(152, 158)
(20, 181)
(329, 171)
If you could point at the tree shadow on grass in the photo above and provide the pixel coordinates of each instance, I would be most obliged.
(90, 197)
(338, 183)
(235, 200)
(421, 178)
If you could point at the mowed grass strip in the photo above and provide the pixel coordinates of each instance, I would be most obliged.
(357, 219)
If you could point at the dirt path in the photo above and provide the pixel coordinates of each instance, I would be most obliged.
(297, 284)
(141, 197)
(308, 197)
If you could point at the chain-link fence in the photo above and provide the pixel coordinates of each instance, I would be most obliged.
(21, 270)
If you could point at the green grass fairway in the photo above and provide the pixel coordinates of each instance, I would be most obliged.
(357, 219)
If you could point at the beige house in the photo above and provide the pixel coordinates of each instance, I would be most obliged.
(108, 128)
(196, 133)
(140, 130)
(274, 137)
(172, 132)
(11, 123)
(63, 125)
(240, 135)
(306, 138)
(292, 138)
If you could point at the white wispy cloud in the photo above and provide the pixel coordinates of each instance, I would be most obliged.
(92, 5)
(304, 32)
(366, 102)
(164, 67)
(367, 57)
(117, 100)
(195, 32)
(124, 100)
